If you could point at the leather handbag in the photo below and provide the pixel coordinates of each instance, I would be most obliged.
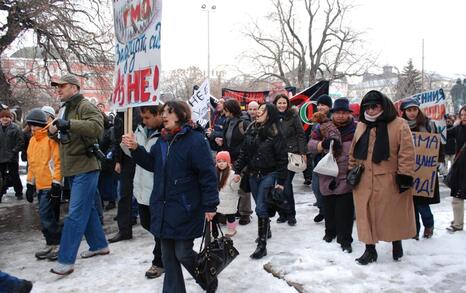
(354, 175)
(296, 163)
(214, 256)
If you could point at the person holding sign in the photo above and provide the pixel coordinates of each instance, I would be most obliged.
(458, 173)
(383, 202)
(184, 192)
(418, 122)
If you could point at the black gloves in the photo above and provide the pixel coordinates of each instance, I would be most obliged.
(404, 182)
(326, 143)
(62, 124)
(55, 192)
(30, 190)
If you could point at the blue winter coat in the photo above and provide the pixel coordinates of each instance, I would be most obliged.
(185, 184)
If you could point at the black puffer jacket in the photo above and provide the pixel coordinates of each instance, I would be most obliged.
(458, 133)
(263, 152)
(293, 131)
(11, 143)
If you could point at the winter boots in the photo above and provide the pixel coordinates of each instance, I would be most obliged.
(263, 229)
(428, 232)
(370, 255)
(397, 250)
(231, 229)
(42, 254)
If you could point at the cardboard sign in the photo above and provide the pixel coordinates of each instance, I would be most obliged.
(426, 148)
(199, 103)
(137, 53)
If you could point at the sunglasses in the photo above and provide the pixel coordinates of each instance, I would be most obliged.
(372, 106)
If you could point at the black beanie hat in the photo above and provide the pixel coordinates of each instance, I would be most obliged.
(326, 100)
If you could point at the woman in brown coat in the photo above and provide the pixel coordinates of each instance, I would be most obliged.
(383, 198)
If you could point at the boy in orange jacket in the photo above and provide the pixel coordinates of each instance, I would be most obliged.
(44, 175)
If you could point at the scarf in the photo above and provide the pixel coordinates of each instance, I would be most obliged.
(168, 135)
(346, 129)
(381, 150)
(412, 124)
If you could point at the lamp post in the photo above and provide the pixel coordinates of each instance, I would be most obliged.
(208, 10)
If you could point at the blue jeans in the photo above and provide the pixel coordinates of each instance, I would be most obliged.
(82, 218)
(48, 218)
(174, 254)
(317, 194)
(98, 206)
(426, 215)
(260, 187)
(289, 194)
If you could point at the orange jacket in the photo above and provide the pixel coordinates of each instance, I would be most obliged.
(43, 160)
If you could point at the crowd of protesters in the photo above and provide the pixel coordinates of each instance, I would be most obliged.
(175, 174)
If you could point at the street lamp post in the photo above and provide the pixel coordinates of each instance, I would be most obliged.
(208, 9)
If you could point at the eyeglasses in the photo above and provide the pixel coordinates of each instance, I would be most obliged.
(372, 106)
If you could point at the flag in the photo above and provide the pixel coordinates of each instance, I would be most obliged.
(306, 101)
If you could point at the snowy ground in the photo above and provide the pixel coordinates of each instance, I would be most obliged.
(297, 253)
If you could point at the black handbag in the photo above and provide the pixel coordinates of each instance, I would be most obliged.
(354, 175)
(214, 256)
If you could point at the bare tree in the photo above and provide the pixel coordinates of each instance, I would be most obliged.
(324, 48)
(179, 83)
(66, 31)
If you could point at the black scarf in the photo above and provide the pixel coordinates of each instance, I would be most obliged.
(382, 144)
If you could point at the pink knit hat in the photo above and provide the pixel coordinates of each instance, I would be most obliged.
(224, 156)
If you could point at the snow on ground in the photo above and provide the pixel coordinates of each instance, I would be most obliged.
(298, 253)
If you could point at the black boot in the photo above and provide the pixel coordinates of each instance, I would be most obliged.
(397, 250)
(263, 229)
(369, 255)
(269, 235)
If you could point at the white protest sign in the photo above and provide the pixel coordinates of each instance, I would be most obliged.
(199, 103)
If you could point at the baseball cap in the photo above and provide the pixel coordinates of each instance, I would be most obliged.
(67, 78)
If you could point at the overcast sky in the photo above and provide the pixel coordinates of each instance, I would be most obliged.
(394, 30)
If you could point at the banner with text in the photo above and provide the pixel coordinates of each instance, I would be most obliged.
(137, 53)
(432, 103)
(426, 147)
(199, 103)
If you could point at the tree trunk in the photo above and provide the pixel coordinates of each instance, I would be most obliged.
(5, 89)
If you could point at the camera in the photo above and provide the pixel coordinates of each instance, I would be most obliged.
(94, 149)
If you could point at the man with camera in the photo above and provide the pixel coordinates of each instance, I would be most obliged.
(79, 125)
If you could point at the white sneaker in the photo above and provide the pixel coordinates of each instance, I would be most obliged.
(62, 269)
(88, 254)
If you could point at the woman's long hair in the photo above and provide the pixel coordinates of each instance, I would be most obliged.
(270, 127)
(222, 176)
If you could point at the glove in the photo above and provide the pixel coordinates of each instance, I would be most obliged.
(326, 143)
(55, 192)
(62, 124)
(30, 190)
(404, 182)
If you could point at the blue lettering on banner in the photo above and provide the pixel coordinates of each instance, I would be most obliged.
(425, 161)
(129, 52)
(430, 97)
(425, 186)
(429, 141)
(154, 42)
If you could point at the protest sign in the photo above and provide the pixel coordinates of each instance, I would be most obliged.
(199, 103)
(432, 104)
(137, 53)
(426, 147)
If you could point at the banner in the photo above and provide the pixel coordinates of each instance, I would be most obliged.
(432, 104)
(245, 97)
(199, 103)
(137, 53)
(426, 148)
(311, 93)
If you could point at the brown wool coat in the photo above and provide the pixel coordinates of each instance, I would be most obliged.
(382, 213)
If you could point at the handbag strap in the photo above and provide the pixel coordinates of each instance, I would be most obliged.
(205, 236)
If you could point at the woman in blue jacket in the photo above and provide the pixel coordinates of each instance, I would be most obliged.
(184, 193)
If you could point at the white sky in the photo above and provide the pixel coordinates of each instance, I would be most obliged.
(394, 31)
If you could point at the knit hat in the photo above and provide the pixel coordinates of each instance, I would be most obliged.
(326, 100)
(408, 103)
(49, 111)
(224, 156)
